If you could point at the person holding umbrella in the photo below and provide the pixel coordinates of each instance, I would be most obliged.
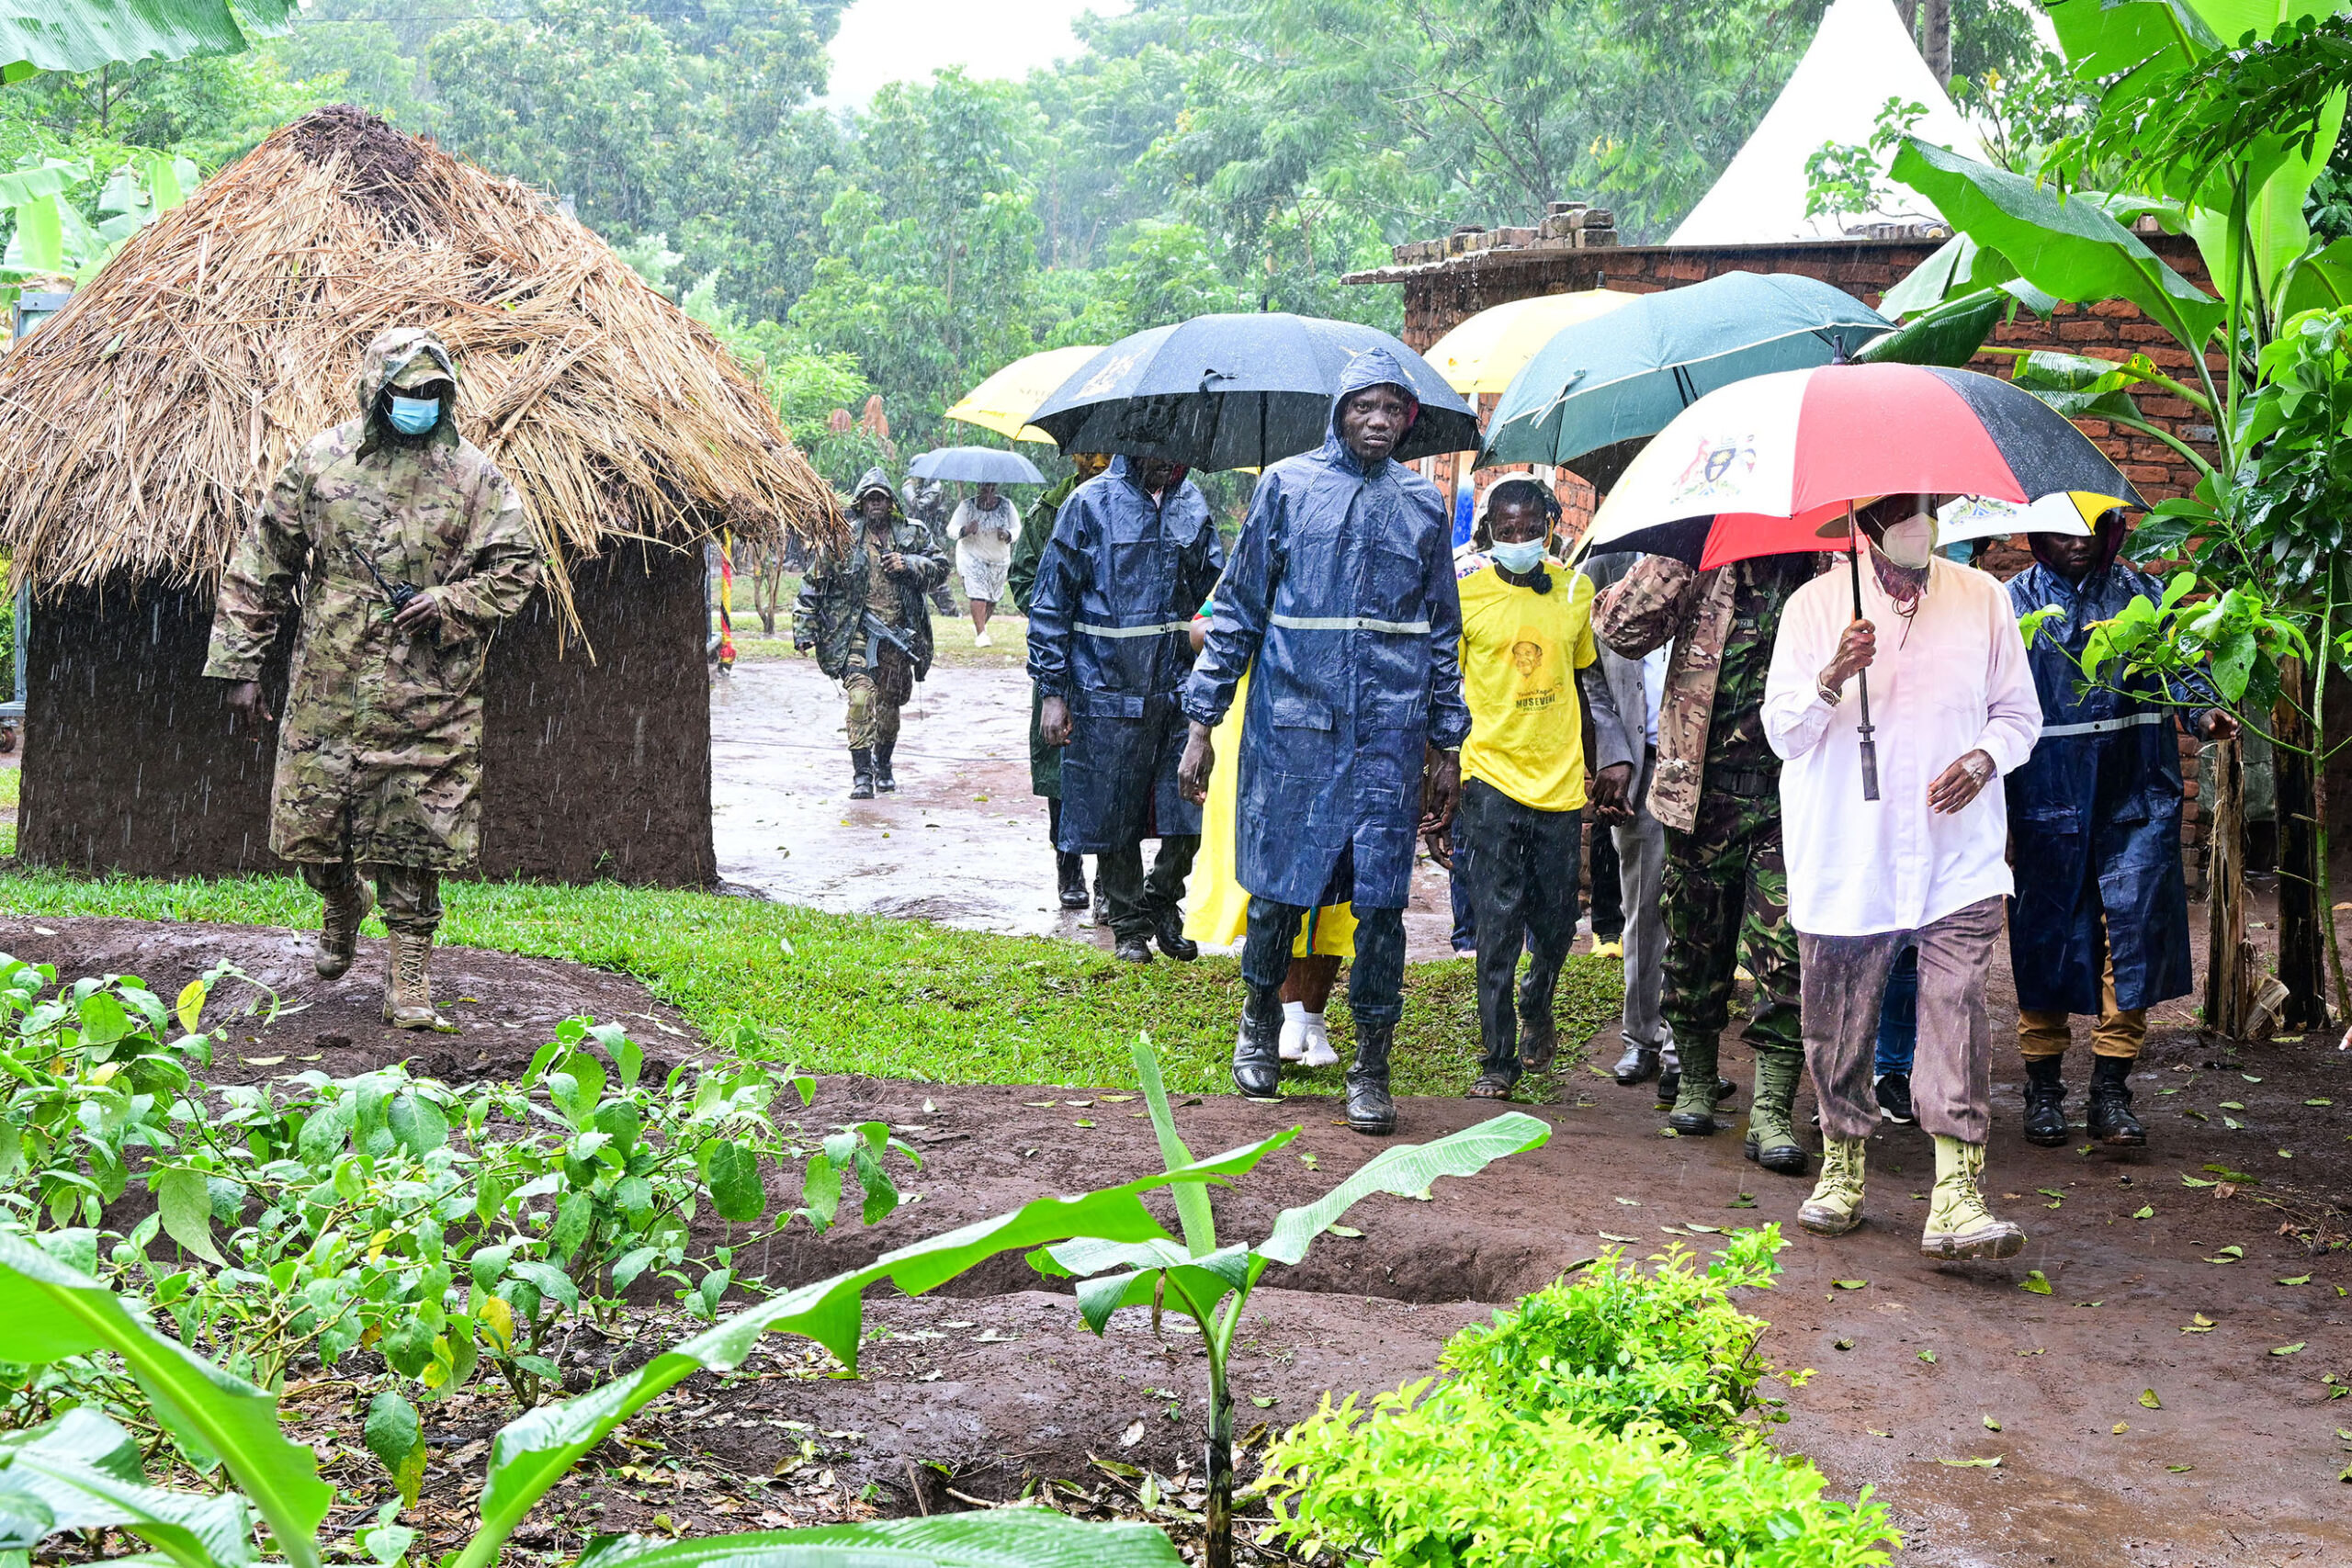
(1132, 555)
(982, 528)
(2102, 926)
(861, 613)
(1923, 864)
(1342, 608)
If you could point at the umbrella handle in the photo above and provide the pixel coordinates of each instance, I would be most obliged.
(1861, 677)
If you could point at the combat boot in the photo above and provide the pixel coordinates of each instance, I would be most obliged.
(1167, 930)
(1693, 1115)
(860, 767)
(1772, 1132)
(1958, 1225)
(2112, 1123)
(1070, 871)
(1836, 1206)
(885, 781)
(339, 929)
(1370, 1109)
(407, 989)
(2045, 1101)
(1256, 1055)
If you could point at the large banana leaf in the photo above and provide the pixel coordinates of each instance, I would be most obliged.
(533, 1451)
(2281, 174)
(2072, 249)
(82, 35)
(1950, 334)
(2109, 40)
(995, 1538)
(82, 1471)
(48, 1310)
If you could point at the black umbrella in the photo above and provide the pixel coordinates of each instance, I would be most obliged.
(1233, 391)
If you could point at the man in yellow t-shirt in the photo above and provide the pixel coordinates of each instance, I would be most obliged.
(1527, 652)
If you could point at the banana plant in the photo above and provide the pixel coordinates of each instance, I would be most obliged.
(1211, 1284)
(82, 1471)
(83, 35)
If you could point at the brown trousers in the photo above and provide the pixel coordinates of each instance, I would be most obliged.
(2121, 1031)
(1842, 979)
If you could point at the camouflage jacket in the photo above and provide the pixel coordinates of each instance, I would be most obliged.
(1030, 548)
(379, 748)
(1661, 600)
(829, 616)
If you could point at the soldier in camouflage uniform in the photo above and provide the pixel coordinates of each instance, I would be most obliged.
(1716, 790)
(406, 547)
(888, 565)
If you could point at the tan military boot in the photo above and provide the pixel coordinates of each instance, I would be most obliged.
(1958, 1225)
(408, 992)
(339, 929)
(1836, 1206)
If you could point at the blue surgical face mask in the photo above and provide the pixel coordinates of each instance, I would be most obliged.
(1520, 558)
(414, 416)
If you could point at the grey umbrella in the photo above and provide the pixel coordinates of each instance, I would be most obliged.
(976, 465)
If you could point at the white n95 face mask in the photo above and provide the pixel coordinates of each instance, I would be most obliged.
(1910, 543)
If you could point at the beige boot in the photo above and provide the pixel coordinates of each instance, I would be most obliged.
(339, 929)
(408, 992)
(1836, 1206)
(1958, 1225)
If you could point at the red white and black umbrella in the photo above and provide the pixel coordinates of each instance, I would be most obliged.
(1754, 469)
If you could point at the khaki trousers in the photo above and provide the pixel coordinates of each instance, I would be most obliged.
(1842, 980)
(2121, 1031)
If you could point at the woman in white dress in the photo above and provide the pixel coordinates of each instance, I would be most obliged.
(982, 528)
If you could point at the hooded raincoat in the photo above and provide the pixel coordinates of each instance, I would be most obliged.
(380, 753)
(2095, 812)
(1110, 633)
(829, 616)
(1341, 593)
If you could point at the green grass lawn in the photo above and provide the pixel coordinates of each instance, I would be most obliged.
(854, 994)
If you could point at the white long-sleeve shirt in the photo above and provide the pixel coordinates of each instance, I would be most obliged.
(1952, 681)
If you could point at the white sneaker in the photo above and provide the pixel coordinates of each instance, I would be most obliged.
(1294, 1042)
(1318, 1045)
(982, 640)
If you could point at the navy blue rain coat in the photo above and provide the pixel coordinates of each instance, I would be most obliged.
(2095, 813)
(1110, 633)
(1341, 593)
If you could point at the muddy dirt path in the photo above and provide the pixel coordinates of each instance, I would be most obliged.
(962, 842)
(994, 1382)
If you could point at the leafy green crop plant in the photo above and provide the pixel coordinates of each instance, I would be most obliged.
(1211, 1284)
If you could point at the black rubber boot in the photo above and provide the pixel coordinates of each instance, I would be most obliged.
(861, 766)
(2045, 1101)
(1370, 1109)
(2112, 1123)
(884, 782)
(1256, 1055)
(1168, 926)
(1071, 871)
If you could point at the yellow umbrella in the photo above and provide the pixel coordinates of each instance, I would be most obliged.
(1006, 401)
(1483, 352)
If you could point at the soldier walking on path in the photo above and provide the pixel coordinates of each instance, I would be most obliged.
(1716, 788)
(862, 612)
(1341, 607)
(408, 546)
(1132, 555)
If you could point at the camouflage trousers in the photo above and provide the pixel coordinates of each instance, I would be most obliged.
(1725, 895)
(876, 693)
(409, 896)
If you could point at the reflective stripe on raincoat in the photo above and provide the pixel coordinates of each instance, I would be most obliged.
(1110, 633)
(2095, 814)
(1341, 592)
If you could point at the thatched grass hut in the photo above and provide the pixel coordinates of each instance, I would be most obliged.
(139, 427)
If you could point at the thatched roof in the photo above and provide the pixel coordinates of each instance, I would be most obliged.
(139, 427)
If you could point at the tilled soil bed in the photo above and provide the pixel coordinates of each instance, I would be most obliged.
(993, 1385)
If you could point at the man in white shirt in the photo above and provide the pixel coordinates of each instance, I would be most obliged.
(1954, 707)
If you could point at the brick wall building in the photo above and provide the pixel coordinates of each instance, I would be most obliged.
(1445, 290)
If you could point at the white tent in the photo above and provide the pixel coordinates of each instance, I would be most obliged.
(1861, 56)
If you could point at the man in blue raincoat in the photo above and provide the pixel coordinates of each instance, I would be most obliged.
(1341, 594)
(1132, 555)
(2101, 924)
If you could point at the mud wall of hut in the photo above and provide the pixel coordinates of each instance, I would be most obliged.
(594, 769)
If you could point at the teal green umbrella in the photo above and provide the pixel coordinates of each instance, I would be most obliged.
(1624, 375)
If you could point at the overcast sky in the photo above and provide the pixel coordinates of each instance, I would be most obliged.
(892, 40)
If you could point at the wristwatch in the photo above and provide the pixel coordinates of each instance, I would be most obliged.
(1822, 689)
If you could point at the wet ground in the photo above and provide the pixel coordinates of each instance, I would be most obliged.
(962, 842)
(1924, 1372)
